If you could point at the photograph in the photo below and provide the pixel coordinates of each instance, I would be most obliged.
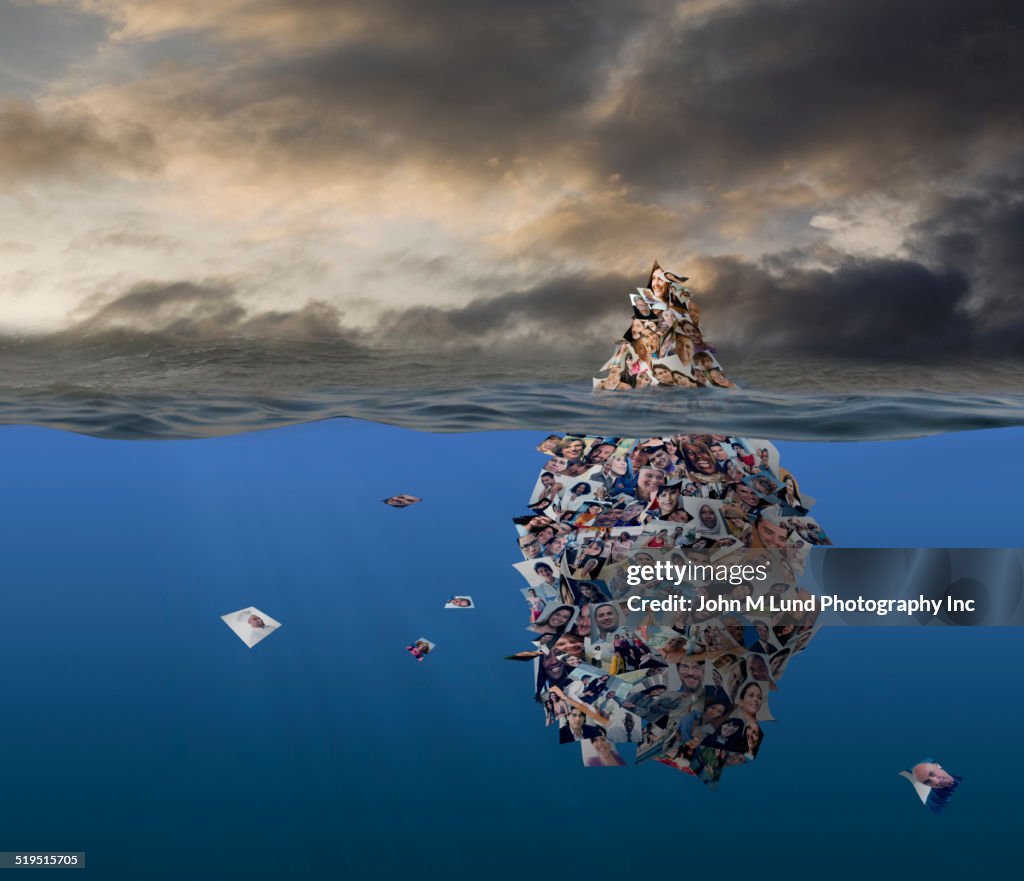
(455, 602)
(715, 300)
(250, 625)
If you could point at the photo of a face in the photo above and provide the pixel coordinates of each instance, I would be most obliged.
(757, 668)
(752, 702)
(576, 494)
(769, 531)
(641, 329)
(251, 625)
(555, 618)
(642, 307)
(600, 752)
(648, 295)
(530, 546)
(540, 573)
(707, 518)
(690, 674)
(705, 361)
(601, 449)
(549, 443)
(402, 500)
(572, 448)
(934, 785)
(691, 331)
(605, 618)
(420, 648)
(456, 602)
(664, 368)
(699, 461)
(547, 489)
(662, 373)
(648, 481)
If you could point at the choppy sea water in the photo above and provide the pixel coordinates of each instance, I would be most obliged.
(776, 415)
(138, 388)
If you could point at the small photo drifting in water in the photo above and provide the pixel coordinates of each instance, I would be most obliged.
(459, 603)
(420, 649)
(933, 784)
(250, 625)
(402, 500)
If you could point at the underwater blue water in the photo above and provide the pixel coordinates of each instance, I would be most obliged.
(138, 728)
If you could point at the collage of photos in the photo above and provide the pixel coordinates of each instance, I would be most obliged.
(663, 344)
(691, 689)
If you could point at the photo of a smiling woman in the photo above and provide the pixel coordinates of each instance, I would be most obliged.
(572, 448)
(552, 669)
(752, 703)
(555, 618)
(616, 475)
(728, 736)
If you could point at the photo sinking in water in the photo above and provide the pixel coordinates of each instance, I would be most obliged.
(250, 625)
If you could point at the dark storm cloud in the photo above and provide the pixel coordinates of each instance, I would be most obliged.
(205, 310)
(957, 294)
(857, 93)
(176, 308)
(451, 82)
(572, 307)
(71, 144)
(980, 235)
(883, 310)
(894, 98)
(886, 310)
(314, 320)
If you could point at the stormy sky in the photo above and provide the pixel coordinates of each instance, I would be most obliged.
(836, 177)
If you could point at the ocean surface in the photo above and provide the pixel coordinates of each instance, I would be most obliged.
(139, 729)
(137, 387)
